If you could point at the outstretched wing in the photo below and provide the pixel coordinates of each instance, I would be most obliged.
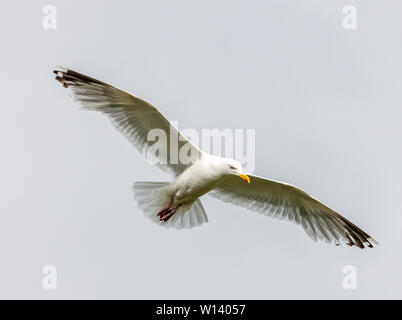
(134, 118)
(280, 200)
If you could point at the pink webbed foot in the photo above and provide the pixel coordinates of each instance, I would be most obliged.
(165, 214)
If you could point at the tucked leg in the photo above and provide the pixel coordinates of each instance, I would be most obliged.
(165, 214)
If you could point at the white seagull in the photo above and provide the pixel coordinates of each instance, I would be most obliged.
(176, 204)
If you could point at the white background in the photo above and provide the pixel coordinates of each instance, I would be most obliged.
(325, 103)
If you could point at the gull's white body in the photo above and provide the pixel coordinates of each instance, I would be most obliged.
(203, 176)
(221, 178)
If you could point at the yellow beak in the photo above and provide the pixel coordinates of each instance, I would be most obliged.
(244, 177)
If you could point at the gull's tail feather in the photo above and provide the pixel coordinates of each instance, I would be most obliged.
(151, 198)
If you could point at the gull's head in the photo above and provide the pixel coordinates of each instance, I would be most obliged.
(235, 168)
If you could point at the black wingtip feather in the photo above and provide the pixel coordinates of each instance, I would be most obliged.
(64, 75)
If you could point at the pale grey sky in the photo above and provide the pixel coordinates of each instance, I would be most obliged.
(325, 103)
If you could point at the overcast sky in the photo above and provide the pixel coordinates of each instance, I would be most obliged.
(325, 104)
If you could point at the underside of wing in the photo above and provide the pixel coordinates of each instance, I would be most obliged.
(284, 201)
(144, 126)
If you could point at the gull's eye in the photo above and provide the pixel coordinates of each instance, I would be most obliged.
(232, 167)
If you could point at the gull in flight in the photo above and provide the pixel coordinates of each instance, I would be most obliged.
(176, 204)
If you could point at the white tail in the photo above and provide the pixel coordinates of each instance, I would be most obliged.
(151, 197)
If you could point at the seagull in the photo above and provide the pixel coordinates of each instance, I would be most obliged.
(176, 204)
